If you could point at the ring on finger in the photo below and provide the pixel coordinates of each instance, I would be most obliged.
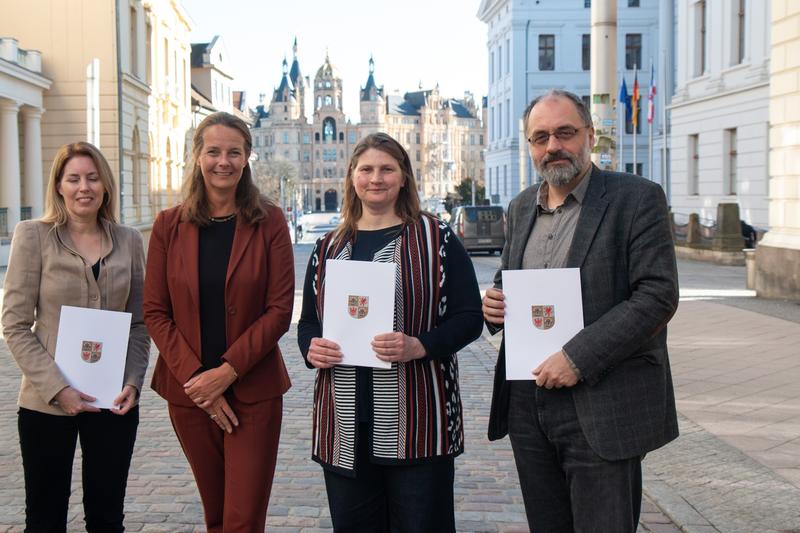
(213, 417)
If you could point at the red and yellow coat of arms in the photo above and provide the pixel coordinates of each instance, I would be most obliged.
(544, 316)
(358, 306)
(91, 351)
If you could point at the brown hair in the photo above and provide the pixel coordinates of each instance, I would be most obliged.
(407, 204)
(249, 200)
(55, 210)
(583, 111)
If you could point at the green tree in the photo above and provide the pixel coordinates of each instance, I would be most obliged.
(464, 189)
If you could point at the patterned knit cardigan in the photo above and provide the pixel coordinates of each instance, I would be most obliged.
(416, 405)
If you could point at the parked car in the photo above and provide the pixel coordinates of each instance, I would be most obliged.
(314, 225)
(481, 228)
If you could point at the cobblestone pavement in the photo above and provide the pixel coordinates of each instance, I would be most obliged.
(161, 492)
(162, 495)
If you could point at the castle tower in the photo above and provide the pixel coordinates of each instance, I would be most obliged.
(372, 102)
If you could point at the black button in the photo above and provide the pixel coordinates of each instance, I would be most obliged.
(550, 236)
(546, 265)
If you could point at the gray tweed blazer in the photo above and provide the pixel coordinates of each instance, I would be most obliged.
(629, 282)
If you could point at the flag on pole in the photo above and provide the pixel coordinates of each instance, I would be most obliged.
(635, 99)
(624, 99)
(651, 96)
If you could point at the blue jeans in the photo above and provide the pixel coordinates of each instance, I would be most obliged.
(416, 498)
(565, 485)
(48, 444)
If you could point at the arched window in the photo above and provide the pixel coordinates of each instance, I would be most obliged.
(329, 129)
(136, 173)
(328, 100)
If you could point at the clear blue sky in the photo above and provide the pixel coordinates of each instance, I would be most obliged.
(412, 41)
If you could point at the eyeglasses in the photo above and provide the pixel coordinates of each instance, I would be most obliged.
(565, 133)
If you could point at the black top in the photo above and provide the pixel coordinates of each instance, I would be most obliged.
(461, 292)
(96, 270)
(216, 241)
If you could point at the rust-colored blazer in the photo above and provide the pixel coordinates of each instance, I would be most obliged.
(259, 294)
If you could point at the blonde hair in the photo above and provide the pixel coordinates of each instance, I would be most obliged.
(407, 204)
(55, 210)
(250, 202)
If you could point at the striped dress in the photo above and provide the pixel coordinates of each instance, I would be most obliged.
(417, 411)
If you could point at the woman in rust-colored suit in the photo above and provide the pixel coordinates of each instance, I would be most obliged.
(218, 296)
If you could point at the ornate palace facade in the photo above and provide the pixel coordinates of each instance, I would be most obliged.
(444, 137)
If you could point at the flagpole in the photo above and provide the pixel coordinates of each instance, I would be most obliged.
(650, 122)
(635, 114)
(620, 127)
(665, 181)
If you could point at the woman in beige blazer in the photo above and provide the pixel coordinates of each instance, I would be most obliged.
(77, 255)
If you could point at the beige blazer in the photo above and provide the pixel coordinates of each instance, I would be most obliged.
(44, 273)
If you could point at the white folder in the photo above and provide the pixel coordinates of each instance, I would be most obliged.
(544, 310)
(91, 350)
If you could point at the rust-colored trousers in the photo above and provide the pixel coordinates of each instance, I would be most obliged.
(233, 471)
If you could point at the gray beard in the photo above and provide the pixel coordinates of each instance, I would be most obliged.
(561, 175)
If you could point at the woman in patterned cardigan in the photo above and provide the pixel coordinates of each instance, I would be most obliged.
(386, 438)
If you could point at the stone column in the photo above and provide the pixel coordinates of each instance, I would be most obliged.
(9, 161)
(34, 179)
(603, 81)
(778, 253)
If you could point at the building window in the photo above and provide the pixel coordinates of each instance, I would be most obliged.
(3, 221)
(148, 61)
(352, 137)
(418, 157)
(416, 138)
(306, 138)
(505, 180)
(134, 44)
(508, 118)
(586, 102)
(508, 56)
(633, 3)
(739, 28)
(306, 156)
(25, 212)
(633, 51)
(285, 137)
(587, 3)
(700, 35)
(693, 185)
(499, 120)
(586, 51)
(629, 168)
(547, 52)
(491, 67)
(629, 123)
(730, 142)
(499, 62)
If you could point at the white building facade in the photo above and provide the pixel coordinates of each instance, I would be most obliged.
(21, 106)
(720, 110)
(538, 45)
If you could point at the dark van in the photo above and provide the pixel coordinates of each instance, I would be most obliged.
(482, 228)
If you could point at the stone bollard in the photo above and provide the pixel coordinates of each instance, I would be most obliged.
(728, 235)
(750, 267)
(693, 230)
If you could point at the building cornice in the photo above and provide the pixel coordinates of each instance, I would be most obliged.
(706, 98)
(136, 82)
(21, 73)
(487, 9)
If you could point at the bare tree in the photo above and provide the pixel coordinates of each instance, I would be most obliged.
(276, 178)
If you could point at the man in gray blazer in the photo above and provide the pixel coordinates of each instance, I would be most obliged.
(581, 427)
